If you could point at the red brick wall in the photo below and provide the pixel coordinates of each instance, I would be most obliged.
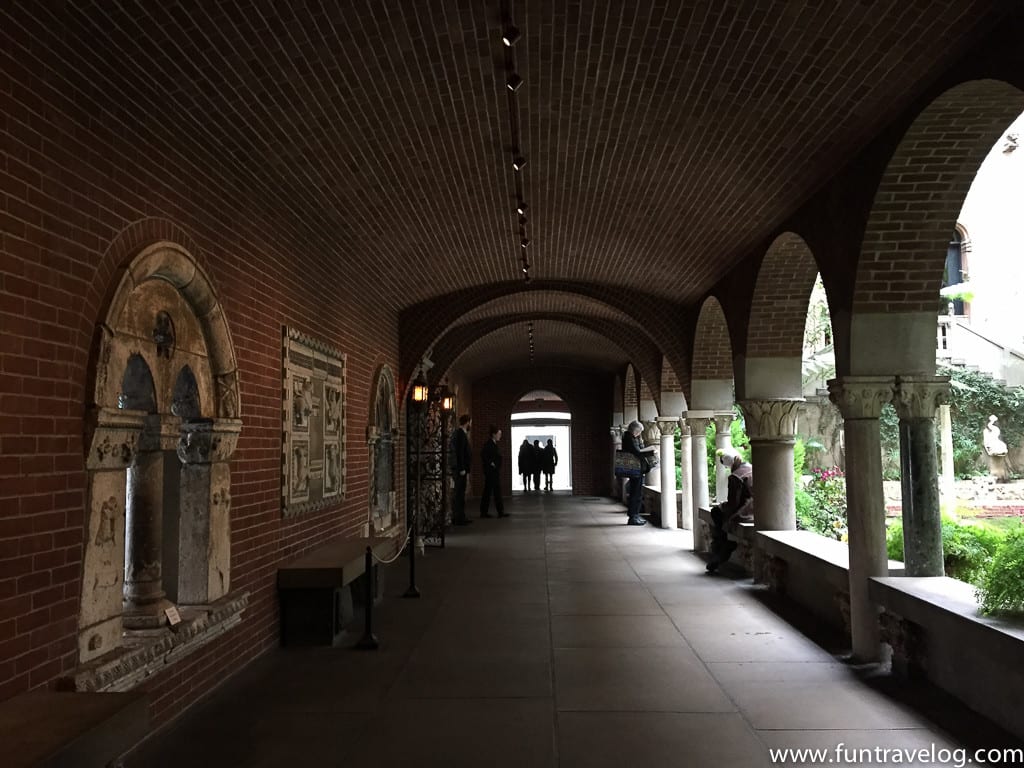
(921, 193)
(589, 399)
(778, 313)
(712, 350)
(83, 187)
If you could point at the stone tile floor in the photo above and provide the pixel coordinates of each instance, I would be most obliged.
(561, 637)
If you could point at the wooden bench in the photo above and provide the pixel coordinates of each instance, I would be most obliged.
(316, 599)
(57, 729)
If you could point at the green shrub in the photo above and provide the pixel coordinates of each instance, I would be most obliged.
(824, 509)
(894, 540)
(967, 549)
(1003, 585)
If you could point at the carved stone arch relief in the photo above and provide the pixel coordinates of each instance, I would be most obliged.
(382, 438)
(161, 427)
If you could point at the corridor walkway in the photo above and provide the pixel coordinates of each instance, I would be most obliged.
(556, 637)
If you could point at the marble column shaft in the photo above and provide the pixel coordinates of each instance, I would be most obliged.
(723, 442)
(916, 400)
(685, 478)
(771, 427)
(699, 463)
(860, 400)
(669, 510)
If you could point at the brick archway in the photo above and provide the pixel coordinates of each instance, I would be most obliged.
(711, 377)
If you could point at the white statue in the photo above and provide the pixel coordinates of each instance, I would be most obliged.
(994, 446)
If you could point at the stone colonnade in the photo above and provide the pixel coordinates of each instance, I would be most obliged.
(860, 400)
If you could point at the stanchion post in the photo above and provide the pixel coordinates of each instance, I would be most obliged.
(368, 642)
(412, 591)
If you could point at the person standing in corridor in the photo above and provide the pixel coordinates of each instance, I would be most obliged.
(459, 458)
(550, 462)
(491, 457)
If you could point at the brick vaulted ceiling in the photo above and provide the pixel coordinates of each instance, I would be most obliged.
(662, 138)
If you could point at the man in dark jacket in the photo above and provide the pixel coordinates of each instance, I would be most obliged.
(633, 442)
(737, 507)
(460, 458)
(491, 457)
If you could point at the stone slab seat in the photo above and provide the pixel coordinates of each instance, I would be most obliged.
(71, 730)
(316, 602)
(942, 636)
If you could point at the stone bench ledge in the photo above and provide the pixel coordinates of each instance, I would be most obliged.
(784, 544)
(51, 729)
(940, 602)
(335, 564)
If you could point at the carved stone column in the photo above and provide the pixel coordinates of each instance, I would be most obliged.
(144, 594)
(698, 421)
(652, 436)
(686, 478)
(205, 523)
(669, 511)
(860, 400)
(771, 427)
(916, 400)
(112, 439)
(723, 442)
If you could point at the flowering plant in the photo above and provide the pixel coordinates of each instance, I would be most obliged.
(825, 512)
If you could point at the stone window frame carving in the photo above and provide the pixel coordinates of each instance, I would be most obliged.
(312, 370)
(384, 397)
(114, 438)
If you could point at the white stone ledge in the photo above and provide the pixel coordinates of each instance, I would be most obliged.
(148, 652)
(941, 603)
(811, 547)
(936, 632)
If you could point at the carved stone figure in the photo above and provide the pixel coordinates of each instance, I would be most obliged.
(227, 400)
(994, 446)
(996, 450)
(163, 335)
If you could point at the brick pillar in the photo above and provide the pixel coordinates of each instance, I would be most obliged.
(860, 400)
(916, 400)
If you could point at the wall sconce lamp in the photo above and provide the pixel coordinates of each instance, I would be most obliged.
(420, 390)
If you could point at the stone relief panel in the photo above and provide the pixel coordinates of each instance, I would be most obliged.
(313, 424)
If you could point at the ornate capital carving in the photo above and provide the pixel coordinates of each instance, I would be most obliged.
(113, 437)
(206, 441)
(918, 397)
(723, 422)
(698, 424)
(771, 419)
(860, 397)
(652, 434)
(667, 424)
(161, 433)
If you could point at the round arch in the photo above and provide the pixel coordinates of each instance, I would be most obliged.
(772, 365)
(711, 377)
(915, 209)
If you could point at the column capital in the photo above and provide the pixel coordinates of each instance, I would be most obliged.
(668, 424)
(699, 420)
(112, 436)
(918, 397)
(772, 420)
(860, 397)
(723, 420)
(206, 441)
(684, 427)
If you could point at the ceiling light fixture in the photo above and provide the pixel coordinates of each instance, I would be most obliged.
(519, 163)
(511, 36)
(514, 81)
(524, 242)
(521, 208)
